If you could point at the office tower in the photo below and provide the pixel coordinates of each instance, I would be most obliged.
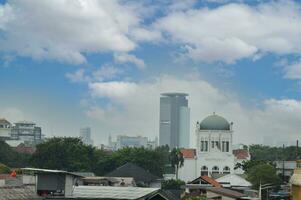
(85, 135)
(174, 120)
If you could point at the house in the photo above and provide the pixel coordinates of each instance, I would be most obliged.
(215, 193)
(241, 155)
(54, 182)
(140, 175)
(112, 193)
(234, 181)
(109, 181)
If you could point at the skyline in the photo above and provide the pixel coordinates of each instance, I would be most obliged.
(103, 64)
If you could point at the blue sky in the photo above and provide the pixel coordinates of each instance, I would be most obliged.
(104, 64)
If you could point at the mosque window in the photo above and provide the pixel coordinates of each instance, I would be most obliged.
(215, 170)
(226, 170)
(204, 145)
(204, 171)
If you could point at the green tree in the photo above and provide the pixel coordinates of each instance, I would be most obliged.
(4, 169)
(263, 174)
(247, 165)
(176, 160)
(12, 158)
(172, 184)
(66, 154)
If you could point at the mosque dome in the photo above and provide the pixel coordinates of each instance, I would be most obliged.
(214, 122)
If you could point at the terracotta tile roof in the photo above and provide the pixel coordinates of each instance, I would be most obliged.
(22, 148)
(207, 180)
(241, 154)
(188, 153)
(226, 192)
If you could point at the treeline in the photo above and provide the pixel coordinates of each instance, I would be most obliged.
(72, 155)
(12, 158)
(267, 153)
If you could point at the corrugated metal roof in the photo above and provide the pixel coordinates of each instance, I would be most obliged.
(38, 170)
(107, 192)
(18, 193)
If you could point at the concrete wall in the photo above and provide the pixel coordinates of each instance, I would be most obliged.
(188, 171)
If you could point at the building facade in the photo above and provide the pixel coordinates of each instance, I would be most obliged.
(26, 131)
(123, 141)
(174, 120)
(213, 150)
(85, 135)
(5, 129)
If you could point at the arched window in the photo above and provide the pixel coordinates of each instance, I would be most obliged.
(215, 170)
(204, 171)
(226, 170)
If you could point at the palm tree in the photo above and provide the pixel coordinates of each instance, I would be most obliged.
(176, 160)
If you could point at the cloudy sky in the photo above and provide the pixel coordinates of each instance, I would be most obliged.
(66, 64)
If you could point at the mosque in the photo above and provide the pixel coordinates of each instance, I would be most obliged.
(213, 154)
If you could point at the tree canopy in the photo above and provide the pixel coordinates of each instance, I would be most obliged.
(263, 173)
(12, 158)
(72, 155)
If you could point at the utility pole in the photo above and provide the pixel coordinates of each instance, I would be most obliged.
(283, 157)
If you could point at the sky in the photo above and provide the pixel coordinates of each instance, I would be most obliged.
(103, 63)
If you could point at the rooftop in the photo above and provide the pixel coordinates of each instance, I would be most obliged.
(132, 170)
(108, 192)
(48, 171)
(174, 94)
(226, 192)
(188, 153)
(241, 154)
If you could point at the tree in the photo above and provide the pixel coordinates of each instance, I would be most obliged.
(247, 165)
(12, 158)
(263, 174)
(176, 160)
(65, 153)
(172, 184)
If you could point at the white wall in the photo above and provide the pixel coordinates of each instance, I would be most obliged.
(188, 171)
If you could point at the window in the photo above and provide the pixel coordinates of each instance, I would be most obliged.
(226, 170)
(204, 146)
(204, 171)
(215, 170)
(227, 146)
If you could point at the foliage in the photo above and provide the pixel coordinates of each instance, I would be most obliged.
(172, 184)
(72, 155)
(261, 152)
(247, 165)
(176, 160)
(262, 173)
(66, 154)
(4, 169)
(12, 158)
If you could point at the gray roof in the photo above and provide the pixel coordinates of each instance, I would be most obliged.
(131, 170)
(226, 192)
(18, 193)
(84, 174)
(48, 171)
(108, 192)
(214, 122)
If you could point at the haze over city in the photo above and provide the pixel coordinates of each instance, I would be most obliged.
(104, 65)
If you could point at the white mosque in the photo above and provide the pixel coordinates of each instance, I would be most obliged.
(213, 153)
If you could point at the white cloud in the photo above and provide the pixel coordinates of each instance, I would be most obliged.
(113, 89)
(234, 31)
(104, 73)
(293, 71)
(64, 30)
(134, 109)
(124, 58)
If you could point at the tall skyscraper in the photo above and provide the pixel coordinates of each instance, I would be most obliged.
(85, 135)
(174, 120)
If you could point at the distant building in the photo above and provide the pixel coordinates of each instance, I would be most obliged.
(26, 131)
(85, 135)
(241, 155)
(174, 120)
(131, 141)
(5, 129)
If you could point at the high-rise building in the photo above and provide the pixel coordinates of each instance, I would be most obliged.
(26, 131)
(123, 141)
(174, 120)
(85, 135)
